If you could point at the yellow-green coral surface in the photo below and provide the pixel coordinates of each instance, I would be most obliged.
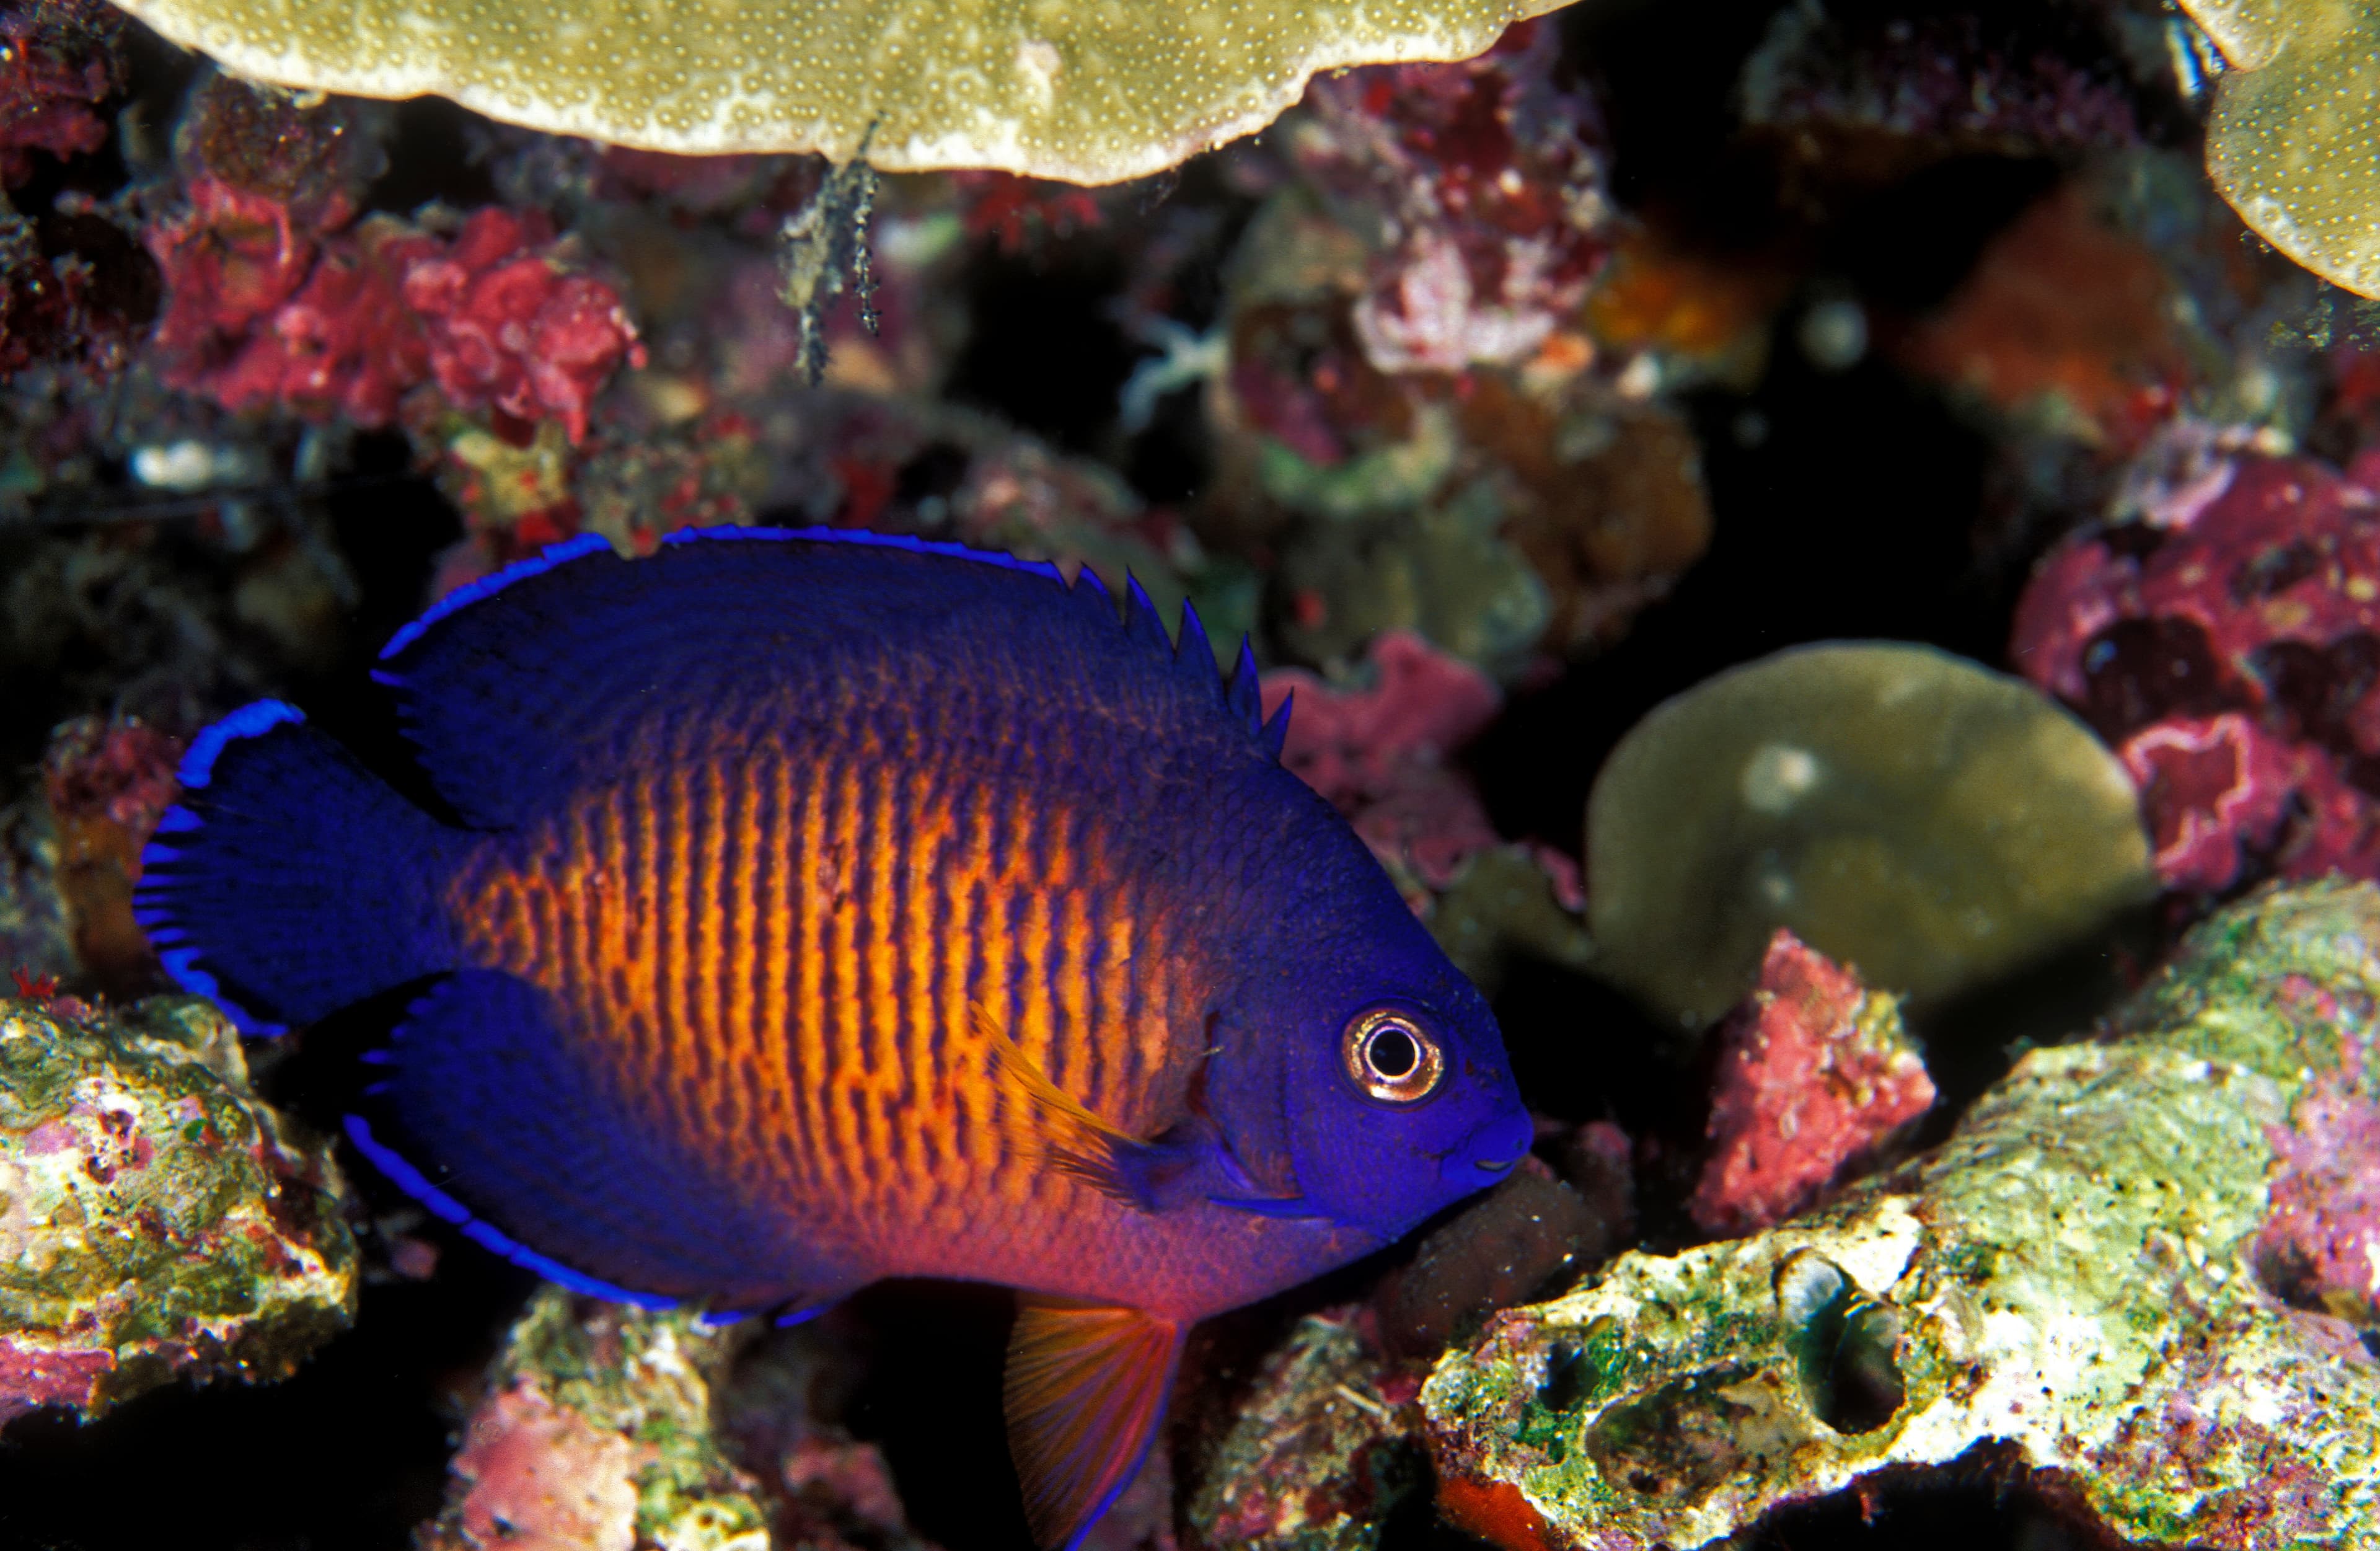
(2294, 142)
(156, 1218)
(2068, 1281)
(1088, 92)
(1928, 821)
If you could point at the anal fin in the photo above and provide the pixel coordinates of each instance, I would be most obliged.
(1086, 1390)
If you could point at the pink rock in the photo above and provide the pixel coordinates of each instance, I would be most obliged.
(1379, 753)
(1488, 177)
(543, 1479)
(2208, 787)
(115, 770)
(1815, 1073)
(229, 256)
(59, 61)
(32, 1377)
(510, 328)
(2229, 646)
(2320, 1247)
(262, 309)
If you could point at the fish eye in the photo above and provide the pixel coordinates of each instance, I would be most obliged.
(1389, 1058)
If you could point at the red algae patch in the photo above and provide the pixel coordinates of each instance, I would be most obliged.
(1815, 1073)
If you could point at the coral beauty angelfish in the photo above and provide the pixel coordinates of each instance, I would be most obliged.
(810, 906)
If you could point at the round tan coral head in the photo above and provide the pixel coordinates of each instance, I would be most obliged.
(1087, 91)
(2294, 142)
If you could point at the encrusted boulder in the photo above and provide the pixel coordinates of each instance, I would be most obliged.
(157, 1220)
(2113, 1275)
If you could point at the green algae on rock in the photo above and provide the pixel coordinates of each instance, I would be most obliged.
(156, 1219)
(2070, 1280)
(597, 1432)
(1088, 93)
(1316, 1454)
(1930, 822)
(2294, 142)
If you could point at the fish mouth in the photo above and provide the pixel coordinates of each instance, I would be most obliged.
(1488, 1154)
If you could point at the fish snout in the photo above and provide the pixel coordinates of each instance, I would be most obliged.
(1490, 1153)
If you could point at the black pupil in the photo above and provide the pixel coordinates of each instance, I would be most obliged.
(1393, 1054)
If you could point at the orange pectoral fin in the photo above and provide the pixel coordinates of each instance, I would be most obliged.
(1059, 1129)
(1086, 1387)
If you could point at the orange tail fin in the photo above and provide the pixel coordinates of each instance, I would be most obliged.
(1086, 1387)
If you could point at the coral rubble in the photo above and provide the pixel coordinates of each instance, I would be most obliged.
(1407, 391)
(1932, 823)
(2074, 1279)
(159, 1221)
(1316, 1453)
(608, 1428)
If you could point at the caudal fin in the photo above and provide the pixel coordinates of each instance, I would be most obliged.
(290, 880)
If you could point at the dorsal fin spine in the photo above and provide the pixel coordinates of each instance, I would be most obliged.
(1275, 732)
(1191, 648)
(1141, 618)
(1244, 694)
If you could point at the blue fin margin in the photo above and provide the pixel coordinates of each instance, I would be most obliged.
(444, 1207)
(196, 771)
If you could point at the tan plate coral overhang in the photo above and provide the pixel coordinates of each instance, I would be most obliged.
(2294, 144)
(1091, 93)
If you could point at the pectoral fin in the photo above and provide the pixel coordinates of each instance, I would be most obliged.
(1086, 1387)
(1075, 1141)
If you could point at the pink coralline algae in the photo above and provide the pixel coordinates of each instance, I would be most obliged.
(1379, 753)
(509, 328)
(1497, 223)
(543, 1479)
(58, 62)
(263, 309)
(2229, 645)
(1015, 210)
(1813, 1075)
(2320, 1247)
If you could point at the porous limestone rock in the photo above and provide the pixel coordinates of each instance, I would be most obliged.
(157, 1220)
(2076, 1282)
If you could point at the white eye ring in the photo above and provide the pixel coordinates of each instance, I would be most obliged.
(1390, 1058)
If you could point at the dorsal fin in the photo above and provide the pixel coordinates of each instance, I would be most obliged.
(513, 684)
